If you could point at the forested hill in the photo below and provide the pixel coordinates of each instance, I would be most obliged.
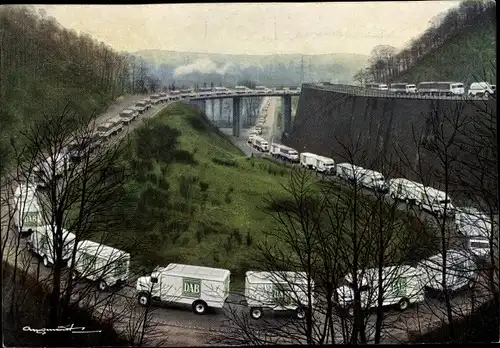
(460, 45)
(44, 66)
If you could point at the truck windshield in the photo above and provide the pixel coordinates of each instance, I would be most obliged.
(479, 244)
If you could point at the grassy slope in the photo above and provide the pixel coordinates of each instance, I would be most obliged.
(462, 58)
(203, 166)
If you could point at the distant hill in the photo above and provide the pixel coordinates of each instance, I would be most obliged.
(467, 57)
(279, 69)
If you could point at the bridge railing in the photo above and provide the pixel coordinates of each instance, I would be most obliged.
(365, 92)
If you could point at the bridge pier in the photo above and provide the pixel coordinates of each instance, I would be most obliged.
(236, 116)
(287, 113)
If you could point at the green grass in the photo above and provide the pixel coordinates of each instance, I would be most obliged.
(467, 57)
(201, 200)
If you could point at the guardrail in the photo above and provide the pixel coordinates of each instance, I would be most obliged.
(364, 92)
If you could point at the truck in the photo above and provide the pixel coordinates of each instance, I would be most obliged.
(103, 264)
(155, 99)
(349, 172)
(42, 241)
(127, 116)
(435, 201)
(258, 129)
(402, 285)
(45, 167)
(260, 144)
(461, 271)
(476, 227)
(402, 88)
(163, 97)
(105, 130)
(374, 181)
(141, 106)
(325, 165)
(197, 286)
(440, 88)
(27, 211)
(277, 291)
(174, 95)
(250, 138)
(284, 152)
(308, 160)
(404, 189)
(117, 125)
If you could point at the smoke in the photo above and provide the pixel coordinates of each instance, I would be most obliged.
(204, 66)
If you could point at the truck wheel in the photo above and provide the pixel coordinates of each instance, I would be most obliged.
(300, 313)
(486, 94)
(199, 307)
(45, 261)
(102, 285)
(403, 304)
(407, 201)
(75, 274)
(393, 196)
(143, 299)
(28, 246)
(256, 313)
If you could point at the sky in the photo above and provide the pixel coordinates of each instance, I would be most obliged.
(253, 28)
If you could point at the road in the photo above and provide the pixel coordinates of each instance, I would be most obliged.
(180, 322)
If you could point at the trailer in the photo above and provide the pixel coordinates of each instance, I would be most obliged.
(402, 285)
(435, 201)
(197, 286)
(105, 130)
(127, 116)
(117, 125)
(42, 241)
(141, 106)
(155, 99)
(325, 165)
(404, 189)
(284, 152)
(277, 291)
(308, 160)
(105, 265)
(349, 172)
(27, 211)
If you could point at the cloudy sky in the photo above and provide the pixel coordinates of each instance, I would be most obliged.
(267, 28)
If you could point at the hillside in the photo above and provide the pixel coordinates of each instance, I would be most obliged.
(467, 57)
(272, 70)
(196, 198)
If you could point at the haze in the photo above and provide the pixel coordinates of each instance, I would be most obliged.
(304, 28)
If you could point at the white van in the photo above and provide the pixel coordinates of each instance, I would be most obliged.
(41, 242)
(101, 263)
(308, 160)
(349, 172)
(374, 181)
(401, 285)
(477, 229)
(461, 271)
(277, 291)
(435, 201)
(482, 89)
(27, 211)
(404, 189)
(200, 287)
(325, 165)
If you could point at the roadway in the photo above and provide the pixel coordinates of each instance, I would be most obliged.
(178, 323)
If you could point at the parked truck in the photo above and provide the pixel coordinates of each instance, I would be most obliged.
(127, 116)
(42, 242)
(435, 201)
(477, 228)
(105, 265)
(325, 165)
(277, 291)
(141, 106)
(308, 160)
(260, 144)
(284, 152)
(404, 189)
(402, 285)
(374, 181)
(27, 211)
(197, 286)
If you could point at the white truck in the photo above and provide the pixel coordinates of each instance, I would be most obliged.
(402, 285)
(349, 172)
(325, 165)
(476, 227)
(250, 138)
(374, 180)
(155, 99)
(163, 97)
(308, 160)
(105, 130)
(461, 271)
(258, 129)
(404, 189)
(435, 201)
(200, 287)
(45, 167)
(117, 124)
(42, 243)
(260, 144)
(141, 106)
(127, 116)
(284, 152)
(277, 291)
(27, 211)
(105, 265)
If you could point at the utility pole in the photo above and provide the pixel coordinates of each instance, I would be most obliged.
(302, 70)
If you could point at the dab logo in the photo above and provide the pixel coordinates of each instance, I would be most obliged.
(191, 287)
